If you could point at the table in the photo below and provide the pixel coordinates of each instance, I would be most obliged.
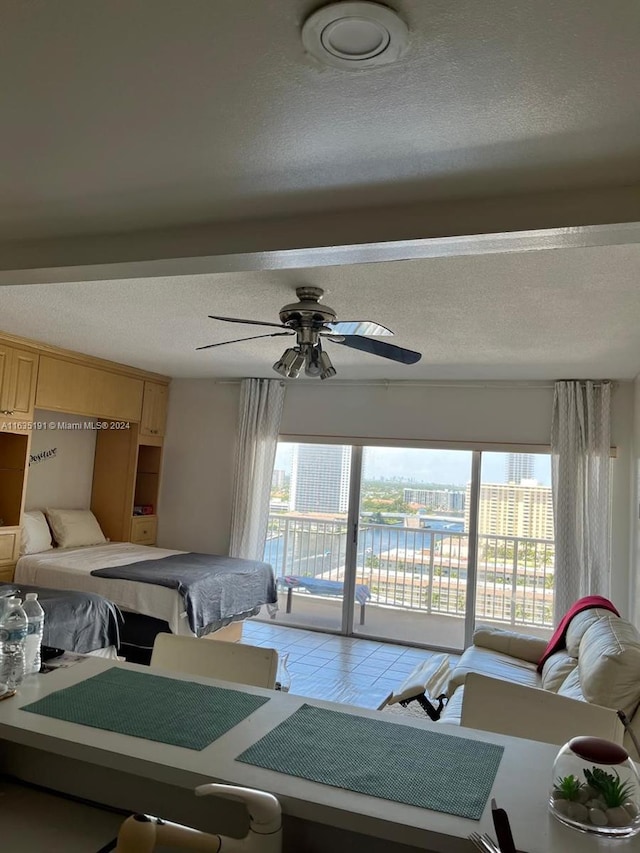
(106, 765)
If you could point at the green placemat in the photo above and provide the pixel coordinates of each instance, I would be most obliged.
(436, 771)
(167, 710)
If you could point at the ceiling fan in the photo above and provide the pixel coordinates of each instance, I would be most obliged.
(310, 322)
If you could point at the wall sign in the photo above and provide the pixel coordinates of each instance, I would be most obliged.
(35, 458)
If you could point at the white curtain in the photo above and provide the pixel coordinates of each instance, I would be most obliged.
(580, 447)
(261, 402)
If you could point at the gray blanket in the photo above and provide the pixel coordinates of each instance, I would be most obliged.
(75, 621)
(216, 590)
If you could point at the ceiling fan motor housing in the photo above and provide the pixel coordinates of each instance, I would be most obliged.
(307, 314)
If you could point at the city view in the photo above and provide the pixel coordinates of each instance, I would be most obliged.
(413, 556)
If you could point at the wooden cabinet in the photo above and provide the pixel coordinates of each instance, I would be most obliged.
(9, 550)
(14, 462)
(126, 474)
(65, 386)
(154, 409)
(143, 529)
(18, 377)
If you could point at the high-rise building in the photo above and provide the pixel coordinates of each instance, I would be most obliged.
(520, 466)
(524, 511)
(320, 478)
(437, 500)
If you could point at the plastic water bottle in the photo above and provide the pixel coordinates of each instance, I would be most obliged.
(13, 636)
(283, 677)
(35, 631)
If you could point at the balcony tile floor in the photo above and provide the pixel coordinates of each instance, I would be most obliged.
(336, 668)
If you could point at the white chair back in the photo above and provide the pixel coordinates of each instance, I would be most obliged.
(237, 662)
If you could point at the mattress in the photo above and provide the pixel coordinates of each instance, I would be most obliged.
(242, 585)
(70, 568)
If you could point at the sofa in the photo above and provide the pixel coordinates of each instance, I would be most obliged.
(496, 686)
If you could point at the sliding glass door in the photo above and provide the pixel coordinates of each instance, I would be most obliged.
(307, 534)
(411, 545)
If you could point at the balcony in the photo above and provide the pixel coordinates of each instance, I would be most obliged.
(417, 580)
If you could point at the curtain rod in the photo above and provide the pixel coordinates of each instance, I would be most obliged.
(427, 383)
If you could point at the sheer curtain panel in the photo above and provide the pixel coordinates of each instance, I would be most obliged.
(261, 402)
(580, 448)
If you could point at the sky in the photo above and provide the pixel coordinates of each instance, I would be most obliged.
(450, 467)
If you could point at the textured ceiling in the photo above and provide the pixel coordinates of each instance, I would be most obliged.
(121, 115)
(573, 313)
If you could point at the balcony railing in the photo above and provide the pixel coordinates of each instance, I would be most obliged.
(422, 570)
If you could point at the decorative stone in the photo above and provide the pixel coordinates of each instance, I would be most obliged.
(631, 808)
(562, 806)
(596, 803)
(584, 795)
(598, 817)
(618, 816)
(577, 811)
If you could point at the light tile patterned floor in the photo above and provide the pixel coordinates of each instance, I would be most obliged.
(338, 669)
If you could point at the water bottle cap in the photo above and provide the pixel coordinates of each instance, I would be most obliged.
(16, 601)
(32, 596)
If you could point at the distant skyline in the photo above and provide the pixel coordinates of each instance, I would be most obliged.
(416, 465)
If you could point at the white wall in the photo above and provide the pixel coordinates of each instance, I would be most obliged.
(61, 467)
(197, 480)
(195, 503)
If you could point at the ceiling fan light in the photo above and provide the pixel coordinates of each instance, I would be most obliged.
(312, 366)
(291, 363)
(328, 370)
(283, 365)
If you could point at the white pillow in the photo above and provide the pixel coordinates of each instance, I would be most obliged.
(74, 527)
(36, 536)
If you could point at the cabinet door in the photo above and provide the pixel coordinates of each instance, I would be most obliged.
(66, 386)
(9, 547)
(154, 409)
(21, 391)
(143, 529)
(5, 355)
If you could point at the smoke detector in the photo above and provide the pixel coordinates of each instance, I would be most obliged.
(355, 35)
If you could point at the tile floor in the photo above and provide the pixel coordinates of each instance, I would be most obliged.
(335, 668)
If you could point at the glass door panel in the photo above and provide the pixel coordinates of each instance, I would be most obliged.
(307, 532)
(412, 546)
(516, 555)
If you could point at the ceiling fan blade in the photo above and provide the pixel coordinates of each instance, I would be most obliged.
(247, 322)
(359, 327)
(252, 338)
(405, 356)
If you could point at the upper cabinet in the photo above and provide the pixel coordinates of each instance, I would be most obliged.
(18, 377)
(66, 386)
(154, 409)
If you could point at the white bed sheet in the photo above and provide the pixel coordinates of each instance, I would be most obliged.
(70, 568)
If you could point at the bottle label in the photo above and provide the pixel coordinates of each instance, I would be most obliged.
(13, 636)
(33, 626)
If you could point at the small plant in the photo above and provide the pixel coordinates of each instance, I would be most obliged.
(614, 792)
(569, 788)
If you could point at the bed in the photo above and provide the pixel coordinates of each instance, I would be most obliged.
(79, 622)
(190, 594)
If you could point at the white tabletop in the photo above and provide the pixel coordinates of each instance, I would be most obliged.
(521, 786)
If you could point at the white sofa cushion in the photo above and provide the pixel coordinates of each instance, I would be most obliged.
(609, 664)
(581, 623)
(556, 669)
(571, 687)
(510, 643)
(495, 664)
(452, 711)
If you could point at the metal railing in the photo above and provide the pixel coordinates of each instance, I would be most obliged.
(422, 570)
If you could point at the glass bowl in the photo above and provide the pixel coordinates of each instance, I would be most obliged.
(596, 788)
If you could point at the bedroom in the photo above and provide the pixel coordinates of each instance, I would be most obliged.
(480, 197)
